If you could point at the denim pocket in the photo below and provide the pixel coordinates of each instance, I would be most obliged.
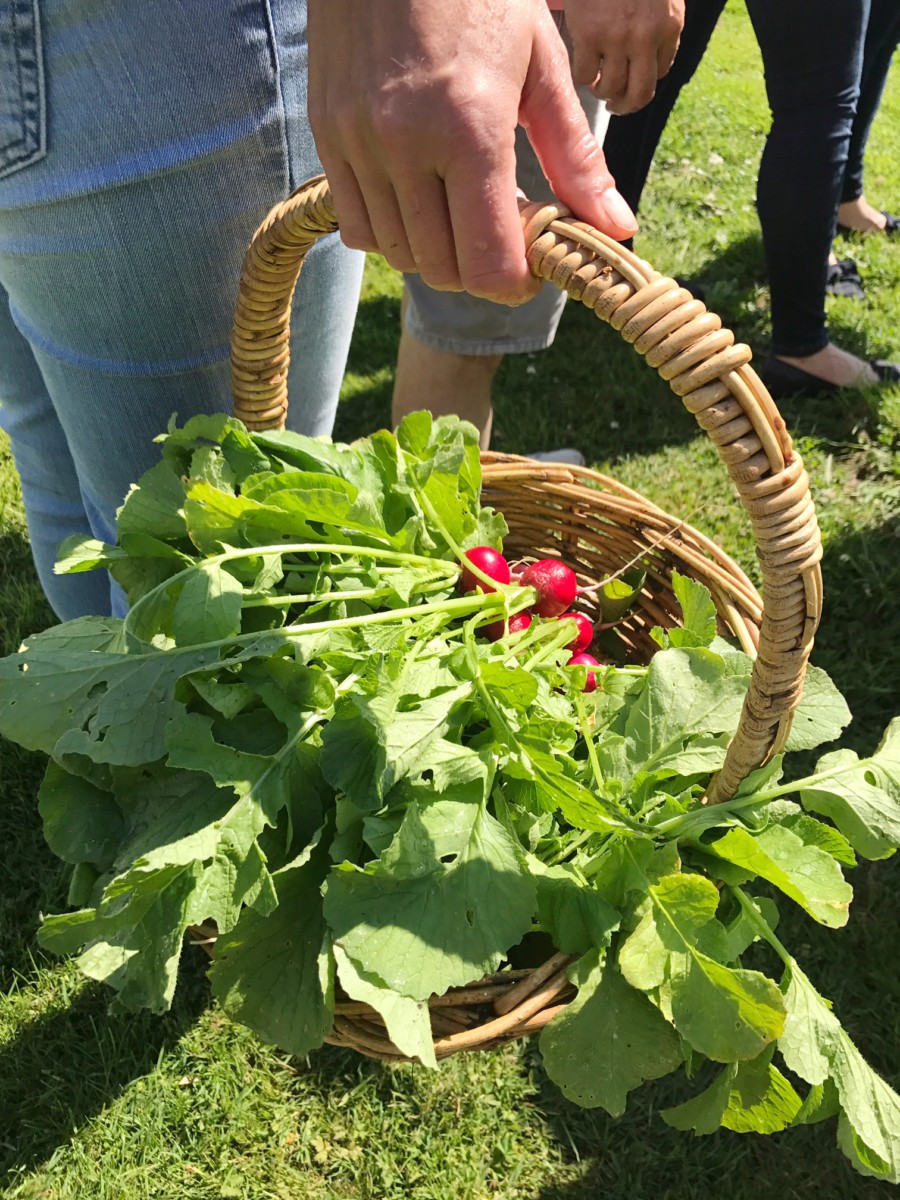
(23, 131)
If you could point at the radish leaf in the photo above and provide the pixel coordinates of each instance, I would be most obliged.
(861, 796)
(747, 1097)
(815, 1046)
(608, 1041)
(424, 925)
(675, 952)
(806, 874)
(275, 972)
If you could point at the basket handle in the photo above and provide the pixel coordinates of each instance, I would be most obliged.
(688, 347)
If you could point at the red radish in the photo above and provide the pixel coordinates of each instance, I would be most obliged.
(555, 584)
(585, 634)
(586, 660)
(517, 623)
(489, 560)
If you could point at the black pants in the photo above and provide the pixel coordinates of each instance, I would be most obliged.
(825, 64)
(882, 39)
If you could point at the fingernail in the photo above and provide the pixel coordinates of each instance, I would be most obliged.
(616, 209)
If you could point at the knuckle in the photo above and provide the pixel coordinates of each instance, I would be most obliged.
(332, 124)
(602, 32)
(357, 236)
(390, 120)
(497, 281)
(469, 126)
(645, 32)
(399, 260)
(347, 126)
(440, 277)
(408, 116)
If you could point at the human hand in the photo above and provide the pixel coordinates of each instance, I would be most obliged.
(622, 47)
(414, 112)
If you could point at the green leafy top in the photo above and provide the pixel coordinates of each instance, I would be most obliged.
(296, 732)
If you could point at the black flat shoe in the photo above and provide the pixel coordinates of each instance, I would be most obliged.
(891, 229)
(784, 380)
(844, 279)
(887, 372)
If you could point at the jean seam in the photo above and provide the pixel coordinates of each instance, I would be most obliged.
(272, 38)
(89, 362)
(32, 145)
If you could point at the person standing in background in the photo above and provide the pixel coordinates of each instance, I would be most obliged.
(813, 59)
(825, 64)
(855, 213)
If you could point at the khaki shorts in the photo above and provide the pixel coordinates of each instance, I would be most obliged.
(464, 324)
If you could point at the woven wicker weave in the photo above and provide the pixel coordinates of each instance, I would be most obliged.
(594, 523)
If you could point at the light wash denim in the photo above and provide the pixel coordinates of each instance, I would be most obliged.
(141, 143)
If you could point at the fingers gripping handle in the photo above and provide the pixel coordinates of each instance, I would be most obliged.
(678, 337)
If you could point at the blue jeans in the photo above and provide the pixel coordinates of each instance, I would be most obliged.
(141, 143)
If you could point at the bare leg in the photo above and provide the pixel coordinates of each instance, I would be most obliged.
(835, 366)
(859, 214)
(444, 383)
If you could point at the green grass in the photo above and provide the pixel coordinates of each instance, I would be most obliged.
(120, 1107)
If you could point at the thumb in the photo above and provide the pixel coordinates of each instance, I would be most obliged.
(559, 132)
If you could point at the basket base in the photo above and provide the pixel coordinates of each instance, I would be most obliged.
(499, 1008)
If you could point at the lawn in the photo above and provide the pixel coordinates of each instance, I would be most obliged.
(121, 1107)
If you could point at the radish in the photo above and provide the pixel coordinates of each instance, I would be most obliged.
(555, 584)
(585, 634)
(586, 660)
(517, 623)
(488, 560)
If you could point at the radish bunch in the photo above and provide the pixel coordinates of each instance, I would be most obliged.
(556, 587)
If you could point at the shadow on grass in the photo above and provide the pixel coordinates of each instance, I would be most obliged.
(34, 880)
(588, 390)
(736, 289)
(591, 391)
(64, 1067)
(61, 1068)
(736, 286)
(858, 642)
(369, 381)
(23, 608)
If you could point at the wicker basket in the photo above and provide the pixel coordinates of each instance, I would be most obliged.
(594, 523)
